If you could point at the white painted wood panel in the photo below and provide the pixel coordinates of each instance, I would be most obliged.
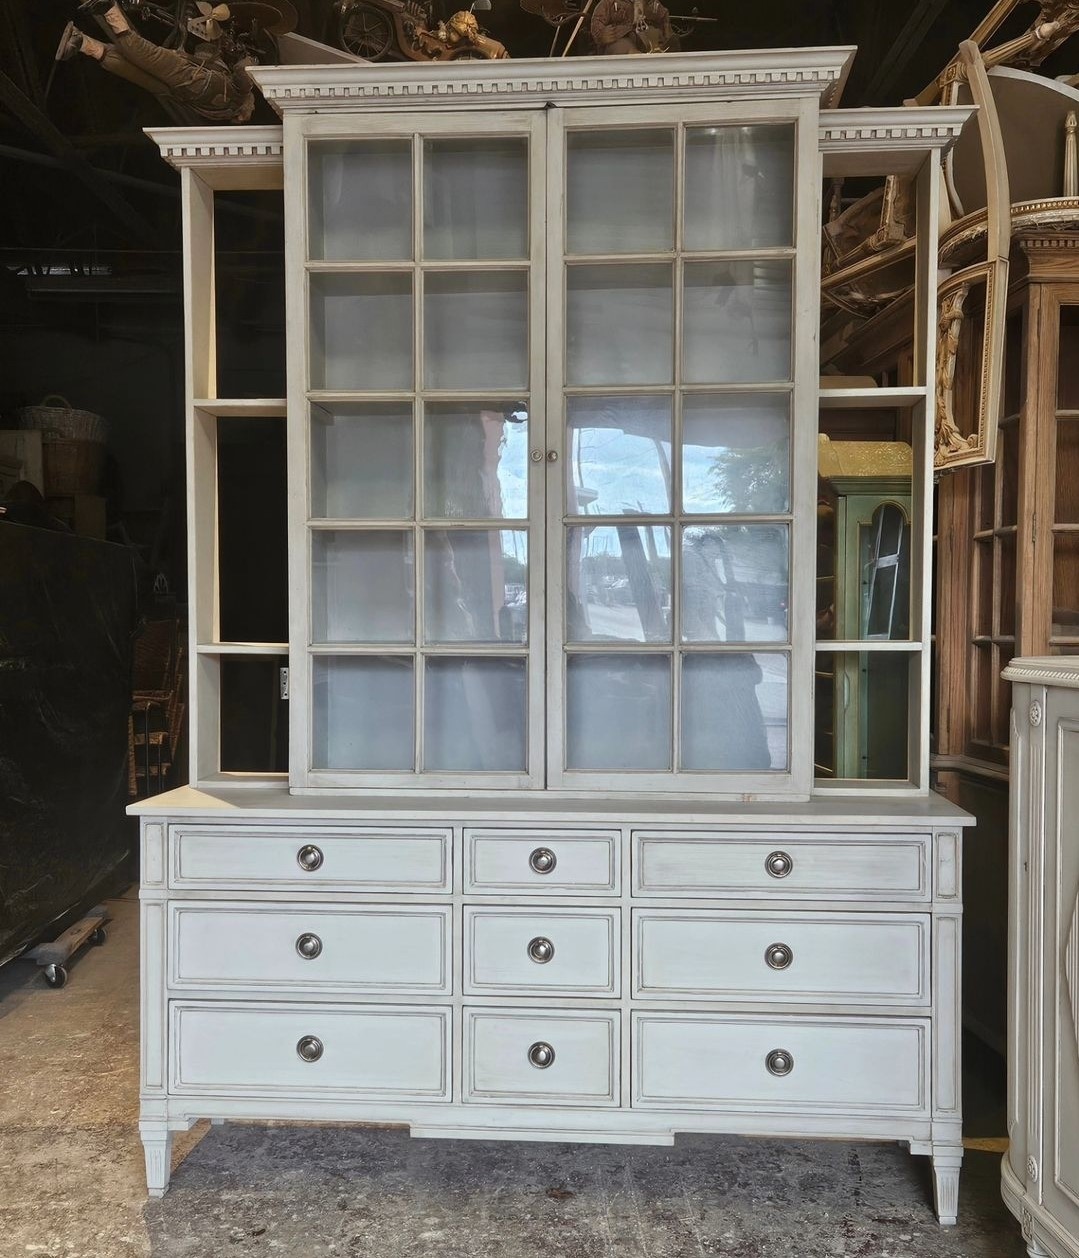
(824, 867)
(584, 1069)
(388, 950)
(511, 861)
(247, 1049)
(249, 857)
(686, 1060)
(833, 958)
(585, 943)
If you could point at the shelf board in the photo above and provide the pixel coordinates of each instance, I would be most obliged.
(242, 648)
(251, 407)
(870, 399)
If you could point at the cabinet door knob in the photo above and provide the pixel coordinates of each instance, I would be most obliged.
(552, 456)
(779, 1062)
(778, 955)
(542, 860)
(540, 950)
(778, 864)
(536, 456)
(309, 946)
(309, 857)
(541, 1055)
(309, 1048)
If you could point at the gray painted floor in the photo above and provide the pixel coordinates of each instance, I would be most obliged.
(71, 1171)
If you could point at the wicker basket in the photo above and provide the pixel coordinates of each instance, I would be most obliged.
(63, 421)
(71, 467)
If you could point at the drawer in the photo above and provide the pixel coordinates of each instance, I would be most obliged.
(870, 1066)
(310, 947)
(791, 866)
(314, 859)
(827, 958)
(381, 1053)
(565, 1058)
(544, 863)
(569, 952)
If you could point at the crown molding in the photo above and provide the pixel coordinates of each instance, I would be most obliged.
(1045, 670)
(893, 141)
(668, 78)
(224, 157)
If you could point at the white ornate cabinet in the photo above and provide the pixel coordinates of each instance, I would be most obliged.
(549, 861)
(1040, 1176)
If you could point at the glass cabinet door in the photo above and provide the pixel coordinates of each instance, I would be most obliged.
(423, 403)
(672, 386)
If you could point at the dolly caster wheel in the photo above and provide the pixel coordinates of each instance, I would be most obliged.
(54, 975)
(99, 936)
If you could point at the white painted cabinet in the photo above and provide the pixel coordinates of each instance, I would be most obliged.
(549, 861)
(1040, 1177)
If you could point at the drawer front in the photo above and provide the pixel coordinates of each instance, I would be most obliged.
(571, 952)
(255, 1049)
(315, 859)
(557, 1059)
(309, 948)
(543, 863)
(828, 958)
(790, 866)
(687, 1061)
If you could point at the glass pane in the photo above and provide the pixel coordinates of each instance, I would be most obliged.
(619, 325)
(618, 584)
(1068, 360)
(361, 462)
(347, 695)
(476, 460)
(737, 322)
(361, 586)
(254, 717)
(361, 332)
(619, 455)
(982, 699)
(736, 453)
(863, 715)
(1007, 589)
(475, 715)
(620, 191)
(983, 588)
(618, 712)
(734, 712)
(739, 187)
(1066, 585)
(475, 198)
(475, 330)
(360, 200)
(475, 585)
(1013, 362)
(986, 495)
(1007, 470)
(735, 583)
(1067, 495)
(884, 557)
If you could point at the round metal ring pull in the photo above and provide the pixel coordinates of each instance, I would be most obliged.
(309, 1048)
(309, 946)
(541, 1055)
(309, 857)
(542, 860)
(778, 864)
(779, 1062)
(540, 950)
(778, 955)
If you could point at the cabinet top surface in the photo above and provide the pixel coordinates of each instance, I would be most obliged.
(510, 808)
(1045, 670)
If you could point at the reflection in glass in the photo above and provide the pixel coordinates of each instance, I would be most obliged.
(475, 198)
(619, 455)
(885, 551)
(739, 191)
(346, 691)
(618, 583)
(735, 584)
(736, 453)
(734, 711)
(619, 324)
(361, 461)
(1066, 585)
(476, 460)
(1067, 470)
(475, 330)
(861, 714)
(736, 322)
(475, 585)
(362, 581)
(360, 200)
(475, 715)
(618, 712)
(361, 331)
(620, 191)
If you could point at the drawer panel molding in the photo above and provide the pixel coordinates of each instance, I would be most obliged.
(542, 862)
(569, 952)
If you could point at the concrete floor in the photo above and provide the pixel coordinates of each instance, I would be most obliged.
(71, 1171)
